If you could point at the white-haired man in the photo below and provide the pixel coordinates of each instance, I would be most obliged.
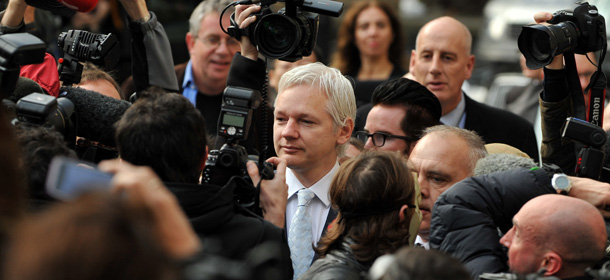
(313, 120)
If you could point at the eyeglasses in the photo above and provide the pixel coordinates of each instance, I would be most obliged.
(380, 137)
(214, 42)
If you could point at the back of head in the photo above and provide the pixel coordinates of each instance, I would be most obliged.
(347, 56)
(572, 228)
(475, 143)
(166, 133)
(96, 237)
(205, 8)
(39, 144)
(421, 106)
(368, 191)
(338, 89)
(420, 264)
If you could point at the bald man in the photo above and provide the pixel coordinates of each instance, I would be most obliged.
(561, 234)
(442, 61)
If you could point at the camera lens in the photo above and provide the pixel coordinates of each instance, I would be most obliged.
(277, 35)
(540, 43)
(60, 118)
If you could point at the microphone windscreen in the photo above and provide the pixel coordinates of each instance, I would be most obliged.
(502, 162)
(24, 87)
(96, 114)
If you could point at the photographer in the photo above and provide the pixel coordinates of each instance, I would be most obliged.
(557, 104)
(168, 134)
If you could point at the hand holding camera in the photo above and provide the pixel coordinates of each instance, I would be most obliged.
(243, 19)
(542, 18)
(273, 193)
(288, 34)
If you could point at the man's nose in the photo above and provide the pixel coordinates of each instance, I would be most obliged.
(506, 240)
(369, 144)
(290, 130)
(435, 66)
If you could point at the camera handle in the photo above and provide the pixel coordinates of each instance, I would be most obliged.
(70, 70)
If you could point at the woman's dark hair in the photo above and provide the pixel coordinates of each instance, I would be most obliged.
(347, 56)
(368, 192)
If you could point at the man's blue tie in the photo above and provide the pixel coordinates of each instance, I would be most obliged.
(299, 235)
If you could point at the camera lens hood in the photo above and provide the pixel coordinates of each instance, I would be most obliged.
(278, 35)
(541, 43)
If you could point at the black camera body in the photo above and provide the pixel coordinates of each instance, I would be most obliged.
(234, 123)
(290, 33)
(43, 109)
(78, 45)
(225, 163)
(230, 161)
(580, 31)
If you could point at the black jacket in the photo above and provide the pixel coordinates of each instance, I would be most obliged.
(339, 263)
(227, 229)
(500, 126)
(466, 218)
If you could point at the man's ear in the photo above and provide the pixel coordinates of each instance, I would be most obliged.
(412, 60)
(190, 41)
(345, 132)
(469, 67)
(552, 263)
(402, 214)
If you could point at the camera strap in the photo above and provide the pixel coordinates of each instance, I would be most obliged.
(578, 100)
(597, 95)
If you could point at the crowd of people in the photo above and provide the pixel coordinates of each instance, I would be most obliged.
(380, 172)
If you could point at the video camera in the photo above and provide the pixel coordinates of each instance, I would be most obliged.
(580, 31)
(102, 50)
(234, 124)
(290, 33)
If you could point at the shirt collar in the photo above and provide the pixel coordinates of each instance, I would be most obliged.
(188, 76)
(455, 117)
(320, 188)
(189, 88)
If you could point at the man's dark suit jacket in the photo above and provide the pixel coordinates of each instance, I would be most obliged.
(500, 126)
